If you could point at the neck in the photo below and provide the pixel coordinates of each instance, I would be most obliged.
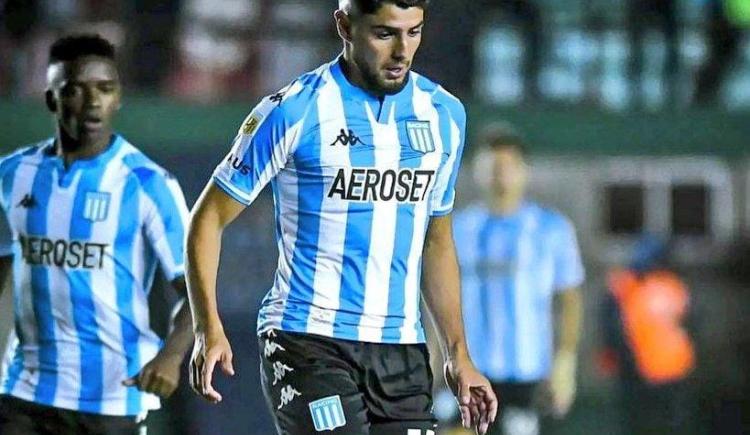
(71, 149)
(506, 204)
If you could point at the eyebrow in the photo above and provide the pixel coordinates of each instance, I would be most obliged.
(395, 29)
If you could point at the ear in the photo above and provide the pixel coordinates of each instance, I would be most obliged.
(49, 99)
(343, 25)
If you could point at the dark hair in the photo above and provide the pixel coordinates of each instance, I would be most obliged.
(72, 47)
(503, 135)
(372, 6)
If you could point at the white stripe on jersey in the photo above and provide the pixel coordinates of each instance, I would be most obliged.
(333, 216)
(384, 214)
(66, 334)
(527, 351)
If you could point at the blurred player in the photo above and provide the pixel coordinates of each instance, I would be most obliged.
(362, 156)
(517, 257)
(87, 218)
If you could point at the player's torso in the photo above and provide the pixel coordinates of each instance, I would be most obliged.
(66, 218)
(365, 152)
(513, 253)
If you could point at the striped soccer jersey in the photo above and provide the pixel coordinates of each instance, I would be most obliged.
(86, 240)
(355, 180)
(510, 268)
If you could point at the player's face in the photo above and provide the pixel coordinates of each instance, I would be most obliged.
(84, 95)
(384, 44)
(509, 172)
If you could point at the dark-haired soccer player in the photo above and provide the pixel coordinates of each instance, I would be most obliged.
(362, 156)
(89, 216)
(518, 259)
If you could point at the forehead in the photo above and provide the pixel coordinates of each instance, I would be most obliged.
(83, 69)
(507, 154)
(391, 15)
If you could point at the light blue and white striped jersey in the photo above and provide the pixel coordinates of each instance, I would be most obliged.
(511, 266)
(355, 180)
(86, 241)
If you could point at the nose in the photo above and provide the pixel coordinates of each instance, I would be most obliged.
(400, 46)
(92, 98)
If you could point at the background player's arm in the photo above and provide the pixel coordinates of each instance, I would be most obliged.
(211, 214)
(569, 275)
(6, 268)
(441, 290)
(161, 375)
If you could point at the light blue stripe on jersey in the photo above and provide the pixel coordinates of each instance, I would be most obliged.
(37, 226)
(9, 166)
(127, 228)
(403, 236)
(310, 196)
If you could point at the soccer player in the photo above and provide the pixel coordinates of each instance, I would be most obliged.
(362, 156)
(88, 217)
(517, 259)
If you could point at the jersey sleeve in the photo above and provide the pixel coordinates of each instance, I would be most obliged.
(165, 222)
(262, 147)
(444, 193)
(569, 271)
(6, 234)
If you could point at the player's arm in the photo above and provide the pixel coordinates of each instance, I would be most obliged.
(569, 275)
(441, 291)
(161, 375)
(211, 214)
(6, 268)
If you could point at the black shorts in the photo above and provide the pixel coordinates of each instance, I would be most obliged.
(313, 384)
(20, 417)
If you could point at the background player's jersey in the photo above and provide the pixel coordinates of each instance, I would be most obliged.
(86, 242)
(510, 268)
(355, 180)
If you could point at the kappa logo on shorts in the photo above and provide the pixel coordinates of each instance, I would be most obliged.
(419, 432)
(327, 413)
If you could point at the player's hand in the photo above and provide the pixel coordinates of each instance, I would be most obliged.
(476, 400)
(208, 349)
(562, 383)
(160, 376)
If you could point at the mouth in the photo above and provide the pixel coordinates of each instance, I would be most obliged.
(395, 72)
(92, 123)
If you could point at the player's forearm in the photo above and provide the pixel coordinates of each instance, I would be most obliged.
(203, 247)
(6, 268)
(570, 320)
(441, 291)
(180, 337)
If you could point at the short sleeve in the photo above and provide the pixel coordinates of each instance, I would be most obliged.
(569, 271)
(261, 149)
(6, 235)
(166, 222)
(444, 193)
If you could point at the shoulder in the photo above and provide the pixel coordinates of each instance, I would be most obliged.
(289, 104)
(552, 219)
(147, 173)
(12, 160)
(440, 97)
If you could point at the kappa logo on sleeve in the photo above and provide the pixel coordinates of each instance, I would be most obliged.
(327, 413)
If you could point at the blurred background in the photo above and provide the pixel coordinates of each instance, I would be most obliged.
(637, 113)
